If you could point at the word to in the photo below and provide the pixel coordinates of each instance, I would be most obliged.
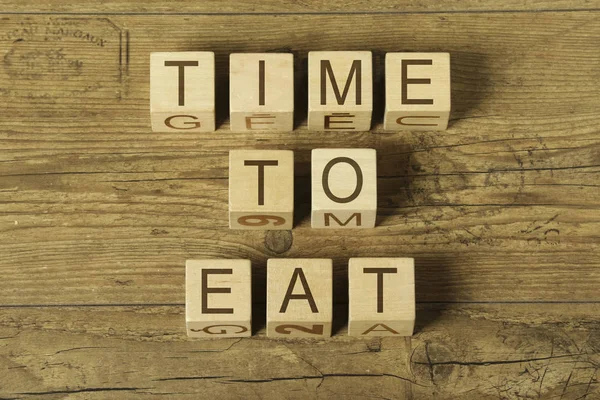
(218, 301)
(261, 189)
(340, 91)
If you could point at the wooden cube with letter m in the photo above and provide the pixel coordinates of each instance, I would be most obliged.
(340, 90)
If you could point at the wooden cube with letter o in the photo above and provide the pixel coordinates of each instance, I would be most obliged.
(344, 188)
(261, 189)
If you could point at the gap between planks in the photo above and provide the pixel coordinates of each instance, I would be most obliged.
(297, 13)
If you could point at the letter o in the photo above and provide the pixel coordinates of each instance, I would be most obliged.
(359, 179)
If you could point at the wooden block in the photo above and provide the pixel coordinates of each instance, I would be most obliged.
(218, 298)
(344, 188)
(261, 189)
(261, 91)
(340, 90)
(299, 297)
(381, 296)
(182, 91)
(417, 91)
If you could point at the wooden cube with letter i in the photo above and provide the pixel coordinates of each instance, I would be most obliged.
(182, 91)
(344, 188)
(299, 297)
(340, 90)
(261, 91)
(218, 298)
(261, 189)
(417, 91)
(381, 296)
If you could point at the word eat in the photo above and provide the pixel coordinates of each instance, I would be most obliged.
(218, 301)
(340, 91)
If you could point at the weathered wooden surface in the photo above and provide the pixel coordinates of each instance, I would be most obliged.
(459, 352)
(98, 214)
(291, 6)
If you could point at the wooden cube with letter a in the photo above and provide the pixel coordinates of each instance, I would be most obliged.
(182, 91)
(340, 90)
(261, 189)
(299, 297)
(417, 91)
(218, 298)
(261, 91)
(381, 296)
(344, 188)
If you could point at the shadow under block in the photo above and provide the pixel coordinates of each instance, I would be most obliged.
(381, 296)
(340, 90)
(344, 188)
(417, 91)
(261, 189)
(261, 91)
(182, 91)
(218, 298)
(299, 297)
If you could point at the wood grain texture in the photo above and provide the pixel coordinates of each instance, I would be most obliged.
(503, 351)
(98, 214)
(292, 6)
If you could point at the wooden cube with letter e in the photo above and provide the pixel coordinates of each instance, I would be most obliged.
(340, 90)
(299, 297)
(344, 188)
(381, 296)
(261, 189)
(261, 91)
(182, 91)
(417, 91)
(218, 298)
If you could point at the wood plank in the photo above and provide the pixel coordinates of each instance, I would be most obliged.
(501, 207)
(305, 6)
(468, 352)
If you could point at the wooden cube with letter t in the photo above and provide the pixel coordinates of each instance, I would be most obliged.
(344, 188)
(417, 91)
(261, 91)
(182, 91)
(340, 90)
(218, 298)
(261, 189)
(381, 296)
(299, 297)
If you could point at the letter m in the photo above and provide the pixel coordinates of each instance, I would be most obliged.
(329, 216)
(326, 71)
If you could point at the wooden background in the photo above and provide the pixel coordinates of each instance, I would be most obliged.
(98, 214)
